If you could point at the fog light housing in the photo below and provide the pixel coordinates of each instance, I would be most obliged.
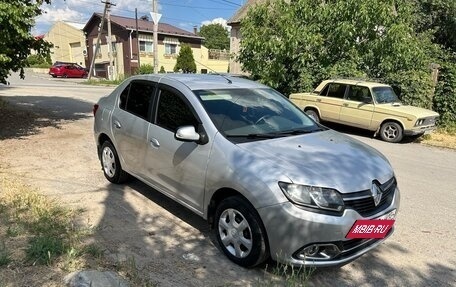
(325, 251)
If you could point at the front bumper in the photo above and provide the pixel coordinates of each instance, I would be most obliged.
(291, 228)
(420, 130)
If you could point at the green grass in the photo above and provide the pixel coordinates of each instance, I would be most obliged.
(48, 227)
(288, 276)
(5, 257)
(104, 82)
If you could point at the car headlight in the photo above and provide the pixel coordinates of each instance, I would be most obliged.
(313, 196)
(419, 122)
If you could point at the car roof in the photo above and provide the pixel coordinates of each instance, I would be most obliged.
(203, 81)
(369, 84)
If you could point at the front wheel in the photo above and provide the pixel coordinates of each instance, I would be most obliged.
(314, 115)
(391, 132)
(111, 164)
(240, 233)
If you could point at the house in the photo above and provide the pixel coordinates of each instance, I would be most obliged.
(126, 50)
(235, 37)
(68, 40)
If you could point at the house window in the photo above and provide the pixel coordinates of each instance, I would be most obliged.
(146, 46)
(170, 49)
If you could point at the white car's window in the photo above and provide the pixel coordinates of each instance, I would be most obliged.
(385, 95)
(359, 94)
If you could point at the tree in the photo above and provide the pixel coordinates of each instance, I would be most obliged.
(216, 37)
(17, 17)
(293, 45)
(185, 61)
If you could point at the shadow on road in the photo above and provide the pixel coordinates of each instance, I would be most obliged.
(23, 116)
(163, 243)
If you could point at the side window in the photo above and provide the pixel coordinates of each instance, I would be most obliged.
(336, 90)
(324, 92)
(173, 112)
(357, 93)
(123, 98)
(140, 98)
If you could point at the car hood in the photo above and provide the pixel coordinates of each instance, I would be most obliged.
(327, 159)
(406, 110)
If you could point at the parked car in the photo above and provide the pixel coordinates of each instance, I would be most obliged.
(367, 105)
(67, 71)
(269, 180)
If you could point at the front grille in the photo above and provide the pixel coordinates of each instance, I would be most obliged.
(363, 202)
(430, 121)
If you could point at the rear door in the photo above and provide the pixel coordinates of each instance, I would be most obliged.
(357, 108)
(330, 101)
(130, 121)
(176, 168)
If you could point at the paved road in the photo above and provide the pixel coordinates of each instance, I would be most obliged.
(422, 251)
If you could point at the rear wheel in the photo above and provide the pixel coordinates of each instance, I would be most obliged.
(65, 76)
(240, 233)
(314, 115)
(391, 132)
(111, 165)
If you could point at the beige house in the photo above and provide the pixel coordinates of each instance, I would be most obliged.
(69, 42)
(128, 48)
(235, 37)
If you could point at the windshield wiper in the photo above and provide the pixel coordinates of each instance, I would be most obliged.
(300, 131)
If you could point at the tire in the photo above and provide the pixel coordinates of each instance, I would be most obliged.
(54, 76)
(111, 165)
(65, 76)
(314, 115)
(240, 232)
(391, 132)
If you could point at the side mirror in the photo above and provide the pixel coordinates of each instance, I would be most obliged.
(367, 100)
(187, 134)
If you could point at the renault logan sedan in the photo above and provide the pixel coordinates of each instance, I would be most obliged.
(270, 181)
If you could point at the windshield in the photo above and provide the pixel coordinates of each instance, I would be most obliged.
(384, 95)
(254, 113)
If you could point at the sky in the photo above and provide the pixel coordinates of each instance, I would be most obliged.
(181, 13)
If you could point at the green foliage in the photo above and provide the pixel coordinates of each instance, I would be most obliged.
(38, 61)
(445, 95)
(16, 41)
(44, 249)
(215, 37)
(185, 61)
(5, 257)
(162, 70)
(146, 69)
(293, 46)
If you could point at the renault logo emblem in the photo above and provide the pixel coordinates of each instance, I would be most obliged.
(376, 193)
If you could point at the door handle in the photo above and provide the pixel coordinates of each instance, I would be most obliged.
(154, 143)
(117, 124)
(345, 104)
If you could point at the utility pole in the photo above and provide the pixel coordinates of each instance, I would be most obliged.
(137, 38)
(97, 46)
(155, 18)
(109, 41)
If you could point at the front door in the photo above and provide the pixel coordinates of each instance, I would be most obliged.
(177, 168)
(330, 101)
(357, 109)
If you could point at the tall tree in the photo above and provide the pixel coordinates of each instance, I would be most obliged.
(216, 37)
(293, 45)
(17, 17)
(185, 61)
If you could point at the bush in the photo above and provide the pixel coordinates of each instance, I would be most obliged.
(162, 70)
(185, 61)
(146, 69)
(38, 61)
(445, 94)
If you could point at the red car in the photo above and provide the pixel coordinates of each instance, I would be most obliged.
(67, 71)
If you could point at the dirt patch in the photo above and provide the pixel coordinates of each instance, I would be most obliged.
(440, 140)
